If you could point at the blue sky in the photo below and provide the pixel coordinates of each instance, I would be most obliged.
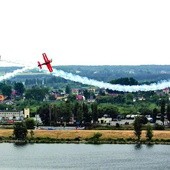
(85, 32)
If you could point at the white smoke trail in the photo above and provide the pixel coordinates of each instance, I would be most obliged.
(16, 72)
(101, 84)
(85, 80)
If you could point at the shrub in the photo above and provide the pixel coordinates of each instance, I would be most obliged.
(117, 125)
(130, 139)
(159, 127)
(126, 123)
(137, 127)
(20, 131)
(31, 133)
(30, 123)
(77, 138)
(95, 137)
(149, 132)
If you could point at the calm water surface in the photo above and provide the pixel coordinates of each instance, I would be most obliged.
(84, 156)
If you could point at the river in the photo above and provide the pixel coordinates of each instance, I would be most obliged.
(84, 157)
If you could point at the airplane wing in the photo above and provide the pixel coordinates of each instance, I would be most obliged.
(49, 67)
(45, 58)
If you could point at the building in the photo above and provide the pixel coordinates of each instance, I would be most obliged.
(75, 91)
(105, 120)
(26, 112)
(2, 98)
(80, 97)
(166, 90)
(12, 116)
(37, 119)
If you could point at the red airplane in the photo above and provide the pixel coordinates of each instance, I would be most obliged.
(47, 63)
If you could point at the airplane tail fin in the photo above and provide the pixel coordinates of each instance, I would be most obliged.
(39, 65)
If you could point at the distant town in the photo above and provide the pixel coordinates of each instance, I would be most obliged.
(38, 102)
(80, 107)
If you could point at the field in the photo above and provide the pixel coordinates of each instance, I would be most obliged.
(83, 134)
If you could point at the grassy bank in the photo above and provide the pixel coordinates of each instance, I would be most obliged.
(125, 136)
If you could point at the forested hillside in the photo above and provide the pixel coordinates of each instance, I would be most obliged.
(107, 73)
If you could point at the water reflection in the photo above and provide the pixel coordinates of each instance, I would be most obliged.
(138, 146)
(20, 144)
(149, 145)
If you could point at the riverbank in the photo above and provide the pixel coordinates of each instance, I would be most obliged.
(86, 136)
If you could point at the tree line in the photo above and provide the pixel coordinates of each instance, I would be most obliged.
(53, 114)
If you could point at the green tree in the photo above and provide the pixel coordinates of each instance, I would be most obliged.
(79, 117)
(31, 133)
(4, 106)
(143, 119)
(145, 110)
(75, 109)
(44, 113)
(137, 127)
(94, 112)
(67, 111)
(6, 90)
(36, 93)
(86, 113)
(162, 111)
(19, 87)
(86, 94)
(52, 97)
(78, 112)
(110, 99)
(168, 112)
(61, 112)
(1, 85)
(68, 89)
(30, 123)
(95, 137)
(108, 109)
(104, 99)
(20, 131)
(71, 97)
(102, 92)
(54, 114)
(129, 98)
(57, 113)
(119, 99)
(154, 114)
(125, 81)
(149, 132)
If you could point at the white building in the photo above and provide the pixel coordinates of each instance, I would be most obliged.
(105, 120)
(14, 115)
(11, 115)
(37, 119)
